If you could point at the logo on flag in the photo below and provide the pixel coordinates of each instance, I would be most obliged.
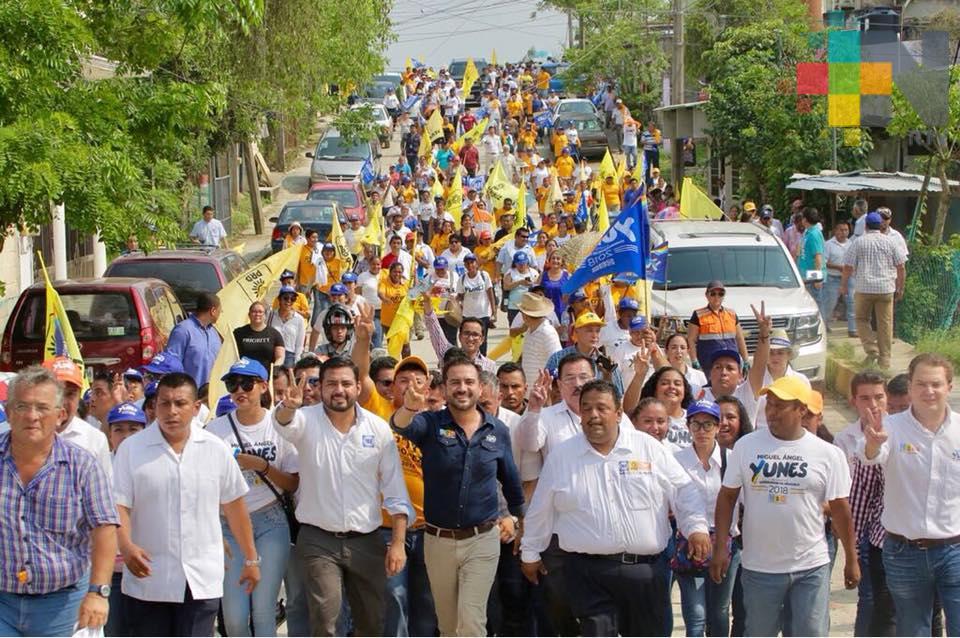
(583, 213)
(366, 172)
(543, 120)
(657, 266)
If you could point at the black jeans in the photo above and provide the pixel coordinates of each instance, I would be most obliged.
(558, 612)
(189, 618)
(118, 624)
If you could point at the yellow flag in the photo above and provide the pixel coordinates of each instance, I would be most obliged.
(473, 134)
(431, 73)
(432, 131)
(621, 169)
(603, 215)
(638, 170)
(373, 235)
(606, 166)
(493, 58)
(227, 356)
(498, 187)
(400, 327)
(470, 76)
(59, 339)
(339, 242)
(695, 204)
(555, 193)
(521, 217)
(501, 348)
(409, 64)
(454, 202)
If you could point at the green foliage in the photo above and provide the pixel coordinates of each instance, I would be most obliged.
(944, 342)
(931, 291)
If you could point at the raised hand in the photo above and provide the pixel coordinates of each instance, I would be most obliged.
(415, 396)
(764, 322)
(540, 393)
(363, 323)
(294, 398)
(874, 434)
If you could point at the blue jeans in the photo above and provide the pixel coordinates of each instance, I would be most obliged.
(831, 297)
(409, 603)
(913, 576)
(706, 604)
(52, 614)
(271, 536)
(861, 626)
(630, 153)
(807, 591)
(817, 294)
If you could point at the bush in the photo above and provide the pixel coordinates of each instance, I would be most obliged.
(931, 292)
(944, 342)
(241, 216)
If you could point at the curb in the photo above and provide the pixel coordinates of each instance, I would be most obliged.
(839, 374)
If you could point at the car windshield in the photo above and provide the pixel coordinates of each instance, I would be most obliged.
(346, 197)
(314, 213)
(94, 316)
(457, 69)
(336, 147)
(377, 90)
(735, 266)
(587, 125)
(187, 278)
(379, 113)
(580, 106)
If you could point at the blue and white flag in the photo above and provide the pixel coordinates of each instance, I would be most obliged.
(543, 120)
(623, 249)
(583, 211)
(598, 97)
(481, 113)
(410, 101)
(657, 266)
(366, 172)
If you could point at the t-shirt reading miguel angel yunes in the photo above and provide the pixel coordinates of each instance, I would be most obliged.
(260, 439)
(784, 485)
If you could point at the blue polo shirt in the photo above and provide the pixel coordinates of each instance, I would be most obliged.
(196, 346)
(460, 477)
(553, 363)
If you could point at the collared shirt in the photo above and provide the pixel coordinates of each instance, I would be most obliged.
(528, 463)
(708, 481)
(835, 253)
(209, 233)
(544, 430)
(921, 472)
(866, 502)
(45, 525)
(197, 346)
(440, 344)
(553, 363)
(347, 473)
(812, 246)
(744, 393)
(538, 345)
(609, 504)
(461, 476)
(874, 258)
(84, 435)
(174, 501)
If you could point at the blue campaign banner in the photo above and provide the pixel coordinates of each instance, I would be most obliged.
(583, 212)
(410, 101)
(475, 183)
(623, 249)
(657, 266)
(543, 120)
(366, 172)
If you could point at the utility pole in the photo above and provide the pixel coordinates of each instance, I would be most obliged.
(253, 187)
(677, 89)
(569, 28)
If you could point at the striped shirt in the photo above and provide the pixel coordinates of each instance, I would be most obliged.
(441, 345)
(45, 526)
(874, 258)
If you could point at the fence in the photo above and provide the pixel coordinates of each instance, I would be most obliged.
(931, 293)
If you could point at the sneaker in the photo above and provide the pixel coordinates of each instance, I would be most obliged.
(853, 335)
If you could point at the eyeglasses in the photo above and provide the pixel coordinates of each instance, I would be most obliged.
(702, 426)
(288, 298)
(40, 408)
(717, 293)
(313, 381)
(239, 383)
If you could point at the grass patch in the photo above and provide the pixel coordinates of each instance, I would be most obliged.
(842, 350)
(241, 215)
(943, 342)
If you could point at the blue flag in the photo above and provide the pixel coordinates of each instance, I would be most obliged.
(543, 120)
(596, 99)
(410, 101)
(366, 172)
(583, 213)
(657, 266)
(623, 249)
(481, 113)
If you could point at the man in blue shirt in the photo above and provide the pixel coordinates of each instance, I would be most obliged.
(466, 458)
(811, 253)
(195, 341)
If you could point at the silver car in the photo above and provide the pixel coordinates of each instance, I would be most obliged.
(335, 160)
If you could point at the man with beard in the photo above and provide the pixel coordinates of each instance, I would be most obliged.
(616, 532)
(467, 456)
(348, 463)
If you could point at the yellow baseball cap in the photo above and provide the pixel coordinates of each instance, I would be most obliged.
(789, 388)
(749, 207)
(815, 404)
(588, 319)
(412, 362)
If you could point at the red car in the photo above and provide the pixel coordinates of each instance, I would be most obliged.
(349, 195)
(119, 322)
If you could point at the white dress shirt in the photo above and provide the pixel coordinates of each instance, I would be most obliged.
(84, 435)
(528, 463)
(544, 430)
(610, 504)
(538, 345)
(850, 439)
(707, 481)
(921, 471)
(174, 501)
(347, 473)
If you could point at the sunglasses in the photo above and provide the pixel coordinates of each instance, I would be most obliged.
(717, 293)
(290, 298)
(239, 383)
(313, 381)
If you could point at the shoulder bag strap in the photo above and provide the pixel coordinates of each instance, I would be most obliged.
(243, 447)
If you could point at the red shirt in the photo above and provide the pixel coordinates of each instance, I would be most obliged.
(470, 157)
(467, 122)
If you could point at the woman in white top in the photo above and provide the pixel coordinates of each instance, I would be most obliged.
(266, 460)
(704, 603)
(677, 355)
(291, 325)
(778, 365)
(492, 147)
(669, 385)
(368, 284)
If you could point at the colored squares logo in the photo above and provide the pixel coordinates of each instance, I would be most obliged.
(843, 46)
(876, 78)
(812, 78)
(843, 110)
(844, 78)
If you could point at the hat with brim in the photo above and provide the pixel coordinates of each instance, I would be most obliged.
(164, 363)
(789, 388)
(779, 340)
(535, 305)
(65, 370)
(412, 362)
(730, 354)
(126, 412)
(716, 284)
(588, 319)
(703, 407)
(815, 402)
(245, 367)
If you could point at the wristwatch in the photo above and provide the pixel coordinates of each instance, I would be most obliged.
(102, 590)
(252, 563)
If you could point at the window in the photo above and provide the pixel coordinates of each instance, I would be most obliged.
(587, 125)
(335, 147)
(310, 213)
(580, 106)
(93, 316)
(735, 266)
(346, 197)
(187, 278)
(163, 317)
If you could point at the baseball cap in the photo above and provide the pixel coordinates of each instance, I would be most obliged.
(732, 354)
(287, 274)
(779, 340)
(521, 258)
(703, 406)
(815, 402)
(225, 405)
(716, 283)
(588, 319)
(149, 390)
(126, 412)
(789, 388)
(349, 278)
(247, 368)
(469, 257)
(412, 362)
(874, 219)
(628, 303)
(131, 373)
(577, 295)
(485, 234)
(440, 262)
(65, 370)
(338, 289)
(165, 363)
(749, 207)
(638, 323)
(766, 213)
(287, 290)
(328, 246)
(410, 223)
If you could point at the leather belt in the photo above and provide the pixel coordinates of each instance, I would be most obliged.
(624, 557)
(341, 534)
(924, 543)
(459, 533)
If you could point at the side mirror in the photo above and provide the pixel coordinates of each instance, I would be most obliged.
(309, 154)
(273, 220)
(813, 277)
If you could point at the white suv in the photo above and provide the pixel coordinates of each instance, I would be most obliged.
(755, 267)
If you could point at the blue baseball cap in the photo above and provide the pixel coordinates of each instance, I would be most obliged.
(86, 396)
(287, 290)
(628, 303)
(126, 412)
(638, 323)
(411, 223)
(577, 295)
(733, 354)
(328, 246)
(247, 368)
(703, 407)
(287, 274)
(164, 363)
(874, 219)
(149, 390)
(338, 289)
(469, 257)
(349, 278)
(440, 262)
(131, 373)
(224, 405)
(520, 258)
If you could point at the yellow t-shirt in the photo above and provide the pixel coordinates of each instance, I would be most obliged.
(551, 231)
(565, 166)
(334, 271)
(611, 194)
(410, 463)
(543, 80)
(440, 242)
(487, 257)
(528, 139)
(559, 142)
(528, 103)
(514, 108)
(408, 194)
(306, 271)
(395, 292)
(570, 207)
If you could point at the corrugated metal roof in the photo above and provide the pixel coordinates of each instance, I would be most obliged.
(859, 181)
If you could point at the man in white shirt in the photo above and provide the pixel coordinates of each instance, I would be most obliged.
(919, 450)
(171, 482)
(785, 475)
(541, 339)
(209, 231)
(887, 215)
(349, 466)
(834, 252)
(607, 494)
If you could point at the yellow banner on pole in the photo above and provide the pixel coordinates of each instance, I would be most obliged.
(695, 204)
(454, 201)
(432, 131)
(473, 134)
(470, 76)
(606, 166)
(498, 187)
(59, 340)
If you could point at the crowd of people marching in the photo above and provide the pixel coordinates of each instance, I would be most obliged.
(559, 482)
